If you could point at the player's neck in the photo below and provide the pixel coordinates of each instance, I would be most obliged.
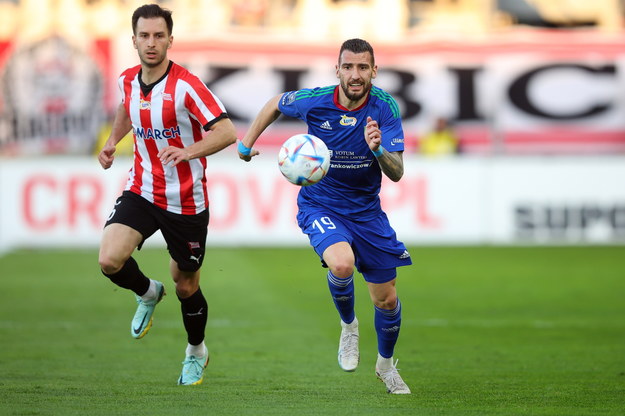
(152, 74)
(351, 104)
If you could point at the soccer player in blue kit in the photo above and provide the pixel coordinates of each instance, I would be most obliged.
(341, 215)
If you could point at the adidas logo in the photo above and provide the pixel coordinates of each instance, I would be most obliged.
(326, 125)
(404, 255)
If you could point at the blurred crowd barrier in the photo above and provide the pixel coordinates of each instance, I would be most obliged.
(57, 202)
(506, 89)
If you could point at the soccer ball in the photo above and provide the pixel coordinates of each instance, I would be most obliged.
(304, 159)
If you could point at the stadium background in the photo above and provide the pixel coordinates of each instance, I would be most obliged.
(534, 92)
(514, 304)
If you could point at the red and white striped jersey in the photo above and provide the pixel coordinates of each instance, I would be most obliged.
(172, 114)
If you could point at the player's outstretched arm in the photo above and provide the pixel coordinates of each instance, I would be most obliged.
(222, 134)
(267, 115)
(121, 127)
(391, 163)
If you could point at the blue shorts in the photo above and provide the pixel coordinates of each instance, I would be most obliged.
(377, 251)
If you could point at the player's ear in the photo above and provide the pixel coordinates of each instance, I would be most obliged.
(374, 72)
(337, 71)
(134, 41)
(171, 41)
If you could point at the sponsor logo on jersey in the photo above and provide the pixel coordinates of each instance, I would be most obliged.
(396, 141)
(167, 97)
(144, 105)
(348, 121)
(326, 125)
(156, 134)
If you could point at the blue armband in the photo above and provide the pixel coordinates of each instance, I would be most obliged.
(245, 151)
(378, 152)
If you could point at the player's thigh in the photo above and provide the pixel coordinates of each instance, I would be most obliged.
(118, 243)
(185, 236)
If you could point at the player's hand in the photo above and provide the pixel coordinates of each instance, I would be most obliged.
(247, 158)
(373, 135)
(105, 157)
(173, 155)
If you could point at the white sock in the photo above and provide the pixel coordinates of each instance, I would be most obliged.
(384, 363)
(151, 293)
(196, 350)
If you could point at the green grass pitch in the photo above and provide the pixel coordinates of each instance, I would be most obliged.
(486, 331)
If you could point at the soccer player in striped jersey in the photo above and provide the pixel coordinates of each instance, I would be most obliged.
(341, 214)
(169, 111)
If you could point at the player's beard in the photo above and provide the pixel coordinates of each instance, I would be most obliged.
(355, 96)
(154, 62)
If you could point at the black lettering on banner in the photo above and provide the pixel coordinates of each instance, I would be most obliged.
(290, 78)
(558, 222)
(617, 220)
(519, 96)
(591, 215)
(410, 108)
(467, 109)
(218, 73)
(524, 221)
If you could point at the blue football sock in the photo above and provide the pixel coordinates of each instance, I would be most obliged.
(387, 324)
(342, 291)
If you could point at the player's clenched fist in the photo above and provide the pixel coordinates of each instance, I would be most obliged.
(105, 157)
(373, 135)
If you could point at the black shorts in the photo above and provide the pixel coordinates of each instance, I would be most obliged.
(185, 235)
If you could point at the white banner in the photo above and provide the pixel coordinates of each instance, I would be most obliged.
(64, 202)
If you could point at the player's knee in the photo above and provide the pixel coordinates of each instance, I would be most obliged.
(342, 270)
(388, 302)
(109, 265)
(187, 282)
(186, 288)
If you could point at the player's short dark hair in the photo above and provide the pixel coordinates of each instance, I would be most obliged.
(357, 46)
(149, 11)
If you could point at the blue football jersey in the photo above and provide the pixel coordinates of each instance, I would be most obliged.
(352, 185)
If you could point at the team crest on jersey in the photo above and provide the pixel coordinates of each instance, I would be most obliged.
(348, 121)
(144, 105)
(288, 98)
